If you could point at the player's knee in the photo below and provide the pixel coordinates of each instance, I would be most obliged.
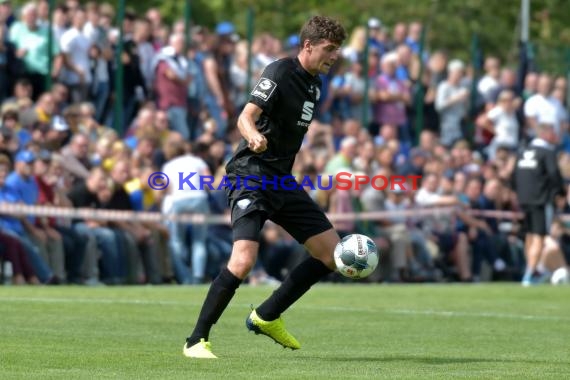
(328, 261)
(244, 255)
(325, 255)
(241, 267)
(322, 247)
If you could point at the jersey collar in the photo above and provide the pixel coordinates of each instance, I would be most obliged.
(541, 143)
(302, 69)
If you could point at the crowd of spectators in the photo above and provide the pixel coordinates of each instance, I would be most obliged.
(61, 146)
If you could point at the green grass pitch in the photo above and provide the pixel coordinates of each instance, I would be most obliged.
(498, 331)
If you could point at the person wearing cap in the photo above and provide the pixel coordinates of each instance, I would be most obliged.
(22, 182)
(451, 102)
(292, 45)
(225, 28)
(12, 226)
(377, 36)
(225, 54)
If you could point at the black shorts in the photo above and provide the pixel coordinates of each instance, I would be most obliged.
(537, 219)
(293, 210)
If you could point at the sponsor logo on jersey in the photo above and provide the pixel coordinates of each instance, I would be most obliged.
(243, 203)
(308, 108)
(264, 89)
(528, 160)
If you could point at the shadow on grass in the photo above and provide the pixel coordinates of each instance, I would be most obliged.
(429, 360)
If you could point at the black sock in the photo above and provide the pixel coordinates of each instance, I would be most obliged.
(219, 296)
(305, 275)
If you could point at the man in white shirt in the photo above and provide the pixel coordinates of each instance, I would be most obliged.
(540, 108)
(490, 82)
(451, 103)
(75, 48)
(450, 240)
(503, 122)
(186, 195)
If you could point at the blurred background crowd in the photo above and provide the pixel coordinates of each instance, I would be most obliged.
(63, 143)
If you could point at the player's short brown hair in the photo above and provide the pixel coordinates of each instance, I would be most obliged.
(319, 28)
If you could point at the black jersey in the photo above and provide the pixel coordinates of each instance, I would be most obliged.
(537, 177)
(288, 95)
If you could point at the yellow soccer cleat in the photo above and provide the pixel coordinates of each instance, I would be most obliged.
(201, 350)
(273, 329)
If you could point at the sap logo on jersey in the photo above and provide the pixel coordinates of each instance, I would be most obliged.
(264, 88)
(308, 108)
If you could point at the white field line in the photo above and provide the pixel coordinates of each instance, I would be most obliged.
(55, 300)
(439, 313)
(444, 313)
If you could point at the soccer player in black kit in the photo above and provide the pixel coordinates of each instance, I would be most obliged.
(273, 124)
(537, 180)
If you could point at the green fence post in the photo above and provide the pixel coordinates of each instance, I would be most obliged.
(119, 104)
(365, 70)
(568, 77)
(187, 24)
(250, 20)
(48, 83)
(473, 92)
(419, 95)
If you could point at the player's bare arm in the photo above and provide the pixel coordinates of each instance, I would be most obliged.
(246, 125)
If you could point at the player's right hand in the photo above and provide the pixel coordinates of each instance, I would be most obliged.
(258, 143)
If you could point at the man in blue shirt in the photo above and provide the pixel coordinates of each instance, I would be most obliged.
(24, 187)
(13, 225)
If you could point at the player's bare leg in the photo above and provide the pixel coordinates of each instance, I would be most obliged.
(243, 258)
(322, 247)
(552, 257)
(534, 243)
(462, 259)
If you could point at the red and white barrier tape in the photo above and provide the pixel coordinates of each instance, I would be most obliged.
(13, 209)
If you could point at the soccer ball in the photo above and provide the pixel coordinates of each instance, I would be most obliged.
(561, 276)
(356, 256)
